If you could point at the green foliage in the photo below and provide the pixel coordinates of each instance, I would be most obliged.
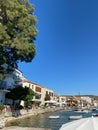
(17, 32)
(20, 93)
(29, 96)
(1, 107)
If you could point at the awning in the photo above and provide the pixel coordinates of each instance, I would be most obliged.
(90, 123)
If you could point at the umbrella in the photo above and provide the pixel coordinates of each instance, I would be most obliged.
(90, 123)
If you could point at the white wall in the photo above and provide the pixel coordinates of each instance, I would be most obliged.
(2, 97)
(9, 82)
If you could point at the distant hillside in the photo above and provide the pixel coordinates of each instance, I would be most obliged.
(91, 96)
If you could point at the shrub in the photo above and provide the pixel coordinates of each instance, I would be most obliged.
(1, 107)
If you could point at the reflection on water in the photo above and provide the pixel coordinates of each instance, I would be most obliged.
(42, 120)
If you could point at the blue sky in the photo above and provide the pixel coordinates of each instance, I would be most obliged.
(67, 47)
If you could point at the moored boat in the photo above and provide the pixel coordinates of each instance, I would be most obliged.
(89, 123)
(75, 117)
(54, 117)
(95, 114)
(82, 111)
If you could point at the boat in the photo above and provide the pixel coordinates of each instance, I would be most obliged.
(82, 111)
(93, 109)
(95, 114)
(89, 123)
(54, 117)
(86, 111)
(75, 117)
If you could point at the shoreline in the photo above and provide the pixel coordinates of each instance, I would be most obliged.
(23, 128)
(28, 114)
(34, 112)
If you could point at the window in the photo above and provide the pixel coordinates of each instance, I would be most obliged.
(38, 89)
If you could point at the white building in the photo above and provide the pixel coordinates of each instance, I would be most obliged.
(41, 93)
(10, 81)
(62, 100)
(86, 101)
(95, 103)
(16, 78)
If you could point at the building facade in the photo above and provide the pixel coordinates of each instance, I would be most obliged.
(42, 94)
(9, 82)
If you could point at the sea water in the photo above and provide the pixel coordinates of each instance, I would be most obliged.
(42, 120)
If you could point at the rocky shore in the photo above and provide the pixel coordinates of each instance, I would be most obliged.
(20, 114)
(23, 128)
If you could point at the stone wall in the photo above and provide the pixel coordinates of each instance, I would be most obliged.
(7, 116)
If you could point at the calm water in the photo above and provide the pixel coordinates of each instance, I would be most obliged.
(42, 120)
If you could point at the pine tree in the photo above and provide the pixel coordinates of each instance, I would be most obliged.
(17, 32)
